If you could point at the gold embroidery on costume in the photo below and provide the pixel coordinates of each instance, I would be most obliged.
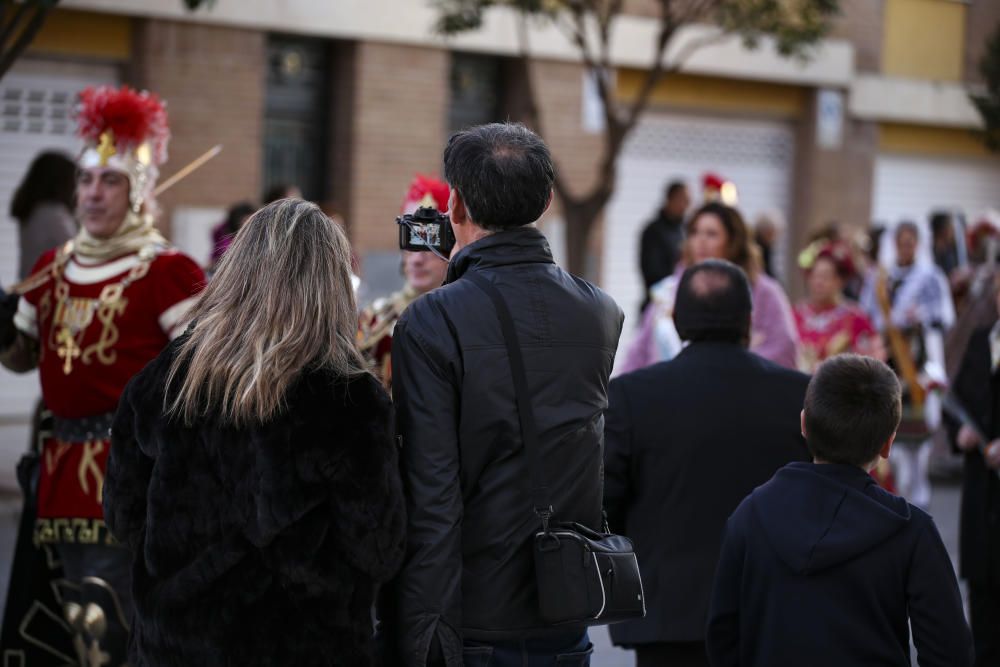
(109, 333)
(68, 349)
(88, 467)
(63, 530)
(73, 315)
(72, 531)
(53, 454)
(86, 532)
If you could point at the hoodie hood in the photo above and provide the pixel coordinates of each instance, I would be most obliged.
(826, 514)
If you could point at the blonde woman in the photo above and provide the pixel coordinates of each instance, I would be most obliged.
(252, 472)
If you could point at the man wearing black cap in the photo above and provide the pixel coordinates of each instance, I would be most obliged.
(686, 441)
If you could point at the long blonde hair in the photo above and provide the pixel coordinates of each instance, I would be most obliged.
(281, 303)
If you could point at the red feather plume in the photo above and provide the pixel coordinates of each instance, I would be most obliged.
(424, 185)
(133, 117)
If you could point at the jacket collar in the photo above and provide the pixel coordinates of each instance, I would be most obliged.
(522, 245)
(852, 476)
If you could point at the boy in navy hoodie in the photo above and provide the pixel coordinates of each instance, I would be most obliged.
(819, 565)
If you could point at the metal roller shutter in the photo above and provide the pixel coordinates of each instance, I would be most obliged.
(757, 155)
(909, 187)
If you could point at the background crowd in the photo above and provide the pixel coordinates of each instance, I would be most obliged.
(251, 363)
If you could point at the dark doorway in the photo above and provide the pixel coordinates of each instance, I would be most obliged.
(477, 87)
(297, 115)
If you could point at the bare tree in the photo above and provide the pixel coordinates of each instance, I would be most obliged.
(794, 25)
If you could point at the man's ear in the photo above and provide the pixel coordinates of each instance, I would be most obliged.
(884, 452)
(802, 422)
(549, 202)
(456, 209)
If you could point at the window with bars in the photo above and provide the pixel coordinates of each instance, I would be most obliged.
(35, 110)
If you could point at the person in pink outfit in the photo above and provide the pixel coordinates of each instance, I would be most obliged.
(717, 231)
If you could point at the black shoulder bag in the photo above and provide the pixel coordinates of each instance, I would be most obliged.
(584, 577)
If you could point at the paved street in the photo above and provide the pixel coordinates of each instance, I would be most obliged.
(944, 507)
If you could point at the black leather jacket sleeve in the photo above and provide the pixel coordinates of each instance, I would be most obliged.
(428, 595)
(617, 457)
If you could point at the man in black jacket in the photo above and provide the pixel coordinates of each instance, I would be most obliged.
(467, 592)
(663, 237)
(977, 387)
(687, 439)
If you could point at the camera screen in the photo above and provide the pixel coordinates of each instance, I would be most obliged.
(428, 234)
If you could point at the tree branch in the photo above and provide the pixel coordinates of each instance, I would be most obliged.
(697, 12)
(696, 45)
(667, 30)
(533, 110)
(524, 53)
(10, 28)
(24, 39)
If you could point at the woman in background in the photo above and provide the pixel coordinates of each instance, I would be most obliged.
(717, 231)
(253, 472)
(43, 207)
(223, 234)
(828, 322)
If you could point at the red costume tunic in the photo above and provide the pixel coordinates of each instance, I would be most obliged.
(825, 332)
(97, 325)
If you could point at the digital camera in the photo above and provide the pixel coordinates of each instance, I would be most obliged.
(426, 229)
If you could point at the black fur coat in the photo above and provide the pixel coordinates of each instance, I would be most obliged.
(260, 546)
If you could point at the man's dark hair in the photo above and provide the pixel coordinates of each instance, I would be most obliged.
(503, 172)
(674, 188)
(236, 214)
(51, 178)
(713, 303)
(940, 221)
(276, 192)
(852, 409)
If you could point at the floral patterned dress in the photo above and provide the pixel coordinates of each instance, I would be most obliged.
(825, 332)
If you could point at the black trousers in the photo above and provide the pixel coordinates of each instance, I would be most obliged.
(671, 654)
(984, 610)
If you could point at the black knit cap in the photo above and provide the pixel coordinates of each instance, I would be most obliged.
(713, 303)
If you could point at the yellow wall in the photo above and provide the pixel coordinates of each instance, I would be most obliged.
(927, 140)
(72, 33)
(703, 92)
(924, 39)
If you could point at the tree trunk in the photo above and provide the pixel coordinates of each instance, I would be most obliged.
(19, 30)
(580, 217)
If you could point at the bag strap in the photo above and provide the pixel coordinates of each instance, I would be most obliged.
(540, 499)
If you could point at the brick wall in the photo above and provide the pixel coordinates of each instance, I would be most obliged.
(559, 91)
(400, 101)
(213, 80)
(861, 22)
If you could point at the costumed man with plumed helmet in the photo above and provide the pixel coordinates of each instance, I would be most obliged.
(90, 316)
(423, 272)
(716, 188)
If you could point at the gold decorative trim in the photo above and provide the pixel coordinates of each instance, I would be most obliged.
(72, 531)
